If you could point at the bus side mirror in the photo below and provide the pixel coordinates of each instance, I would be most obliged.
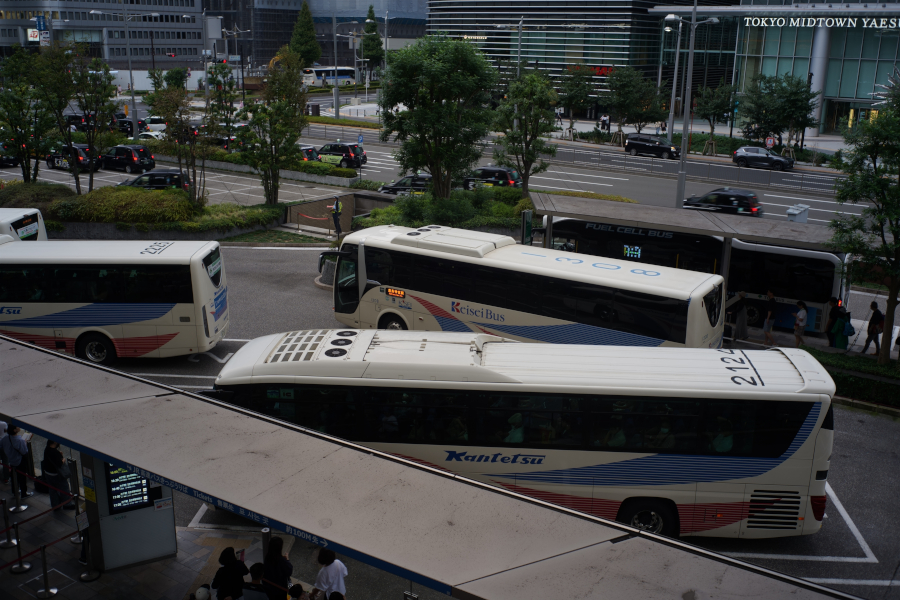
(331, 253)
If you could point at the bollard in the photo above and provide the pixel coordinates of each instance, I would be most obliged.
(91, 574)
(46, 591)
(22, 567)
(9, 542)
(266, 538)
(19, 506)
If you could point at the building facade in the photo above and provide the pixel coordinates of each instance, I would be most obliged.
(160, 33)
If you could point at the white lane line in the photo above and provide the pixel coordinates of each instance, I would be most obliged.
(873, 582)
(175, 376)
(234, 340)
(569, 181)
(317, 248)
(193, 387)
(804, 199)
(869, 555)
(837, 212)
(586, 175)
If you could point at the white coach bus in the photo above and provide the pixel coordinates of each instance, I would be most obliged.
(445, 279)
(690, 442)
(106, 299)
(22, 224)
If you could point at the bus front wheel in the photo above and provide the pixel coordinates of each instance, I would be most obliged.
(392, 322)
(95, 348)
(754, 315)
(650, 515)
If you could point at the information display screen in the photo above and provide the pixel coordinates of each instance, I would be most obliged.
(632, 251)
(127, 490)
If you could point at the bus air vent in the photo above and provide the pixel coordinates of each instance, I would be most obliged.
(773, 509)
(297, 343)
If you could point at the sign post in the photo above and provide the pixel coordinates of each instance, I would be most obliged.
(770, 142)
(359, 139)
(45, 38)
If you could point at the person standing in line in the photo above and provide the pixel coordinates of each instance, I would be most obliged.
(15, 449)
(229, 579)
(833, 312)
(800, 322)
(277, 570)
(330, 579)
(4, 470)
(56, 474)
(336, 209)
(876, 326)
(255, 590)
(840, 324)
(771, 307)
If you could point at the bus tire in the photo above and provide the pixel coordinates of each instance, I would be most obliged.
(95, 348)
(754, 315)
(653, 515)
(392, 322)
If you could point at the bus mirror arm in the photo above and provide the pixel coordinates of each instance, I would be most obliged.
(540, 230)
(331, 253)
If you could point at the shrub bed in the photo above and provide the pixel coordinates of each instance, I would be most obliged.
(344, 122)
(861, 364)
(33, 195)
(593, 195)
(868, 390)
(366, 184)
(124, 204)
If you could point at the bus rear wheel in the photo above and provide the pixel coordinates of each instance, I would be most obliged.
(650, 515)
(392, 322)
(754, 315)
(95, 348)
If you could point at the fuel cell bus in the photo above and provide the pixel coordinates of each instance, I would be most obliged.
(679, 441)
(101, 300)
(792, 273)
(22, 224)
(445, 279)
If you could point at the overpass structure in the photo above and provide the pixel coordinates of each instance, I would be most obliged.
(462, 538)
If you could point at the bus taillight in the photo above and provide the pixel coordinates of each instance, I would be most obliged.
(818, 507)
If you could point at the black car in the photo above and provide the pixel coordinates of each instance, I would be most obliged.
(640, 143)
(161, 179)
(7, 159)
(412, 184)
(751, 156)
(727, 200)
(133, 158)
(58, 158)
(344, 154)
(79, 121)
(127, 126)
(491, 176)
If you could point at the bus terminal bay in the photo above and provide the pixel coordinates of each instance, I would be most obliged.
(738, 441)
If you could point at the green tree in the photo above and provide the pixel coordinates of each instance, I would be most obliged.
(436, 98)
(373, 51)
(714, 105)
(173, 104)
(797, 105)
(273, 127)
(53, 69)
(24, 119)
(528, 103)
(872, 164)
(95, 95)
(634, 100)
(157, 80)
(176, 78)
(303, 39)
(760, 107)
(222, 94)
(575, 87)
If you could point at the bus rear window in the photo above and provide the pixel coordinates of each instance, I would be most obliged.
(712, 302)
(212, 262)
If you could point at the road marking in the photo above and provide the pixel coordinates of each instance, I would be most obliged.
(193, 387)
(317, 249)
(869, 555)
(586, 175)
(804, 199)
(875, 582)
(196, 357)
(234, 340)
(570, 181)
(175, 376)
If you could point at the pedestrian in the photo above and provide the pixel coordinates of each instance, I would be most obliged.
(658, 125)
(771, 308)
(800, 322)
(330, 579)
(118, 91)
(833, 313)
(559, 121)
(665, 127)
(15, 449)
(277, 570)
(255, 590)
(4, 469)
(336, 209)
(604, 120)
(56, 474)
(876, 327)
(229, 579)
(739, 310)
(839, 328)
(297, 591)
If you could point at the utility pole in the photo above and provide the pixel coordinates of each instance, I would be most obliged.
(243, 91)
(152, 51)
(336, 94)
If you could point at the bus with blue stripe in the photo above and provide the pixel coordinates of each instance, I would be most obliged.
(678, 441)
(103, 300)
(446, 279)
(319, 76)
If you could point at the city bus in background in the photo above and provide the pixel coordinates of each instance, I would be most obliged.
(320, 76)
(103, 300)
(678, 441)
(445, 279)
(22, 224)
(792, 273)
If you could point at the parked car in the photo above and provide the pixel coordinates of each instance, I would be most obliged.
(7, 159)
(58, 158)
(161, 179)
(412, 184)
(78, 121)
(344, 154)
(751, 156)
(156, 123)
(133, 158)
(727, 200)
(309, 152)
(640, 143)
(491, 176)
(151, 135)
(127, 126)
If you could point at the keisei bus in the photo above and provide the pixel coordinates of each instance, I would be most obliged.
(106, 299)
(445, 279)
(22, 224)
(679, 441)
(792, 273)
(320, 76)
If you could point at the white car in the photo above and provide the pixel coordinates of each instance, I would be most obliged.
(151, 135)
(156, 123)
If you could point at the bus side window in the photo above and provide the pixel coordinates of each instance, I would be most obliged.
(379, 266)
(23, 283)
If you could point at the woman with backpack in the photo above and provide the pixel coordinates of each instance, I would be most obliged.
(876, 327)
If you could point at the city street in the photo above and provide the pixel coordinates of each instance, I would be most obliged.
(271, 291)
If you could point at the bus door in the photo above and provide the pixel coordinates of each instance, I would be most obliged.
(346, 283)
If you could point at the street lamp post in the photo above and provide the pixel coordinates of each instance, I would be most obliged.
(125, 18)
(674, 85)
(682, 174)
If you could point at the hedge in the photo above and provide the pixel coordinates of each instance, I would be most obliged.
(868, 390)
(860, 364)
(124, 203)
(344, 122)
(33, 195)
(593, 195)
(366, 184)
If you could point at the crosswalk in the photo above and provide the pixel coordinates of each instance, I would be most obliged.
(382, 163)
